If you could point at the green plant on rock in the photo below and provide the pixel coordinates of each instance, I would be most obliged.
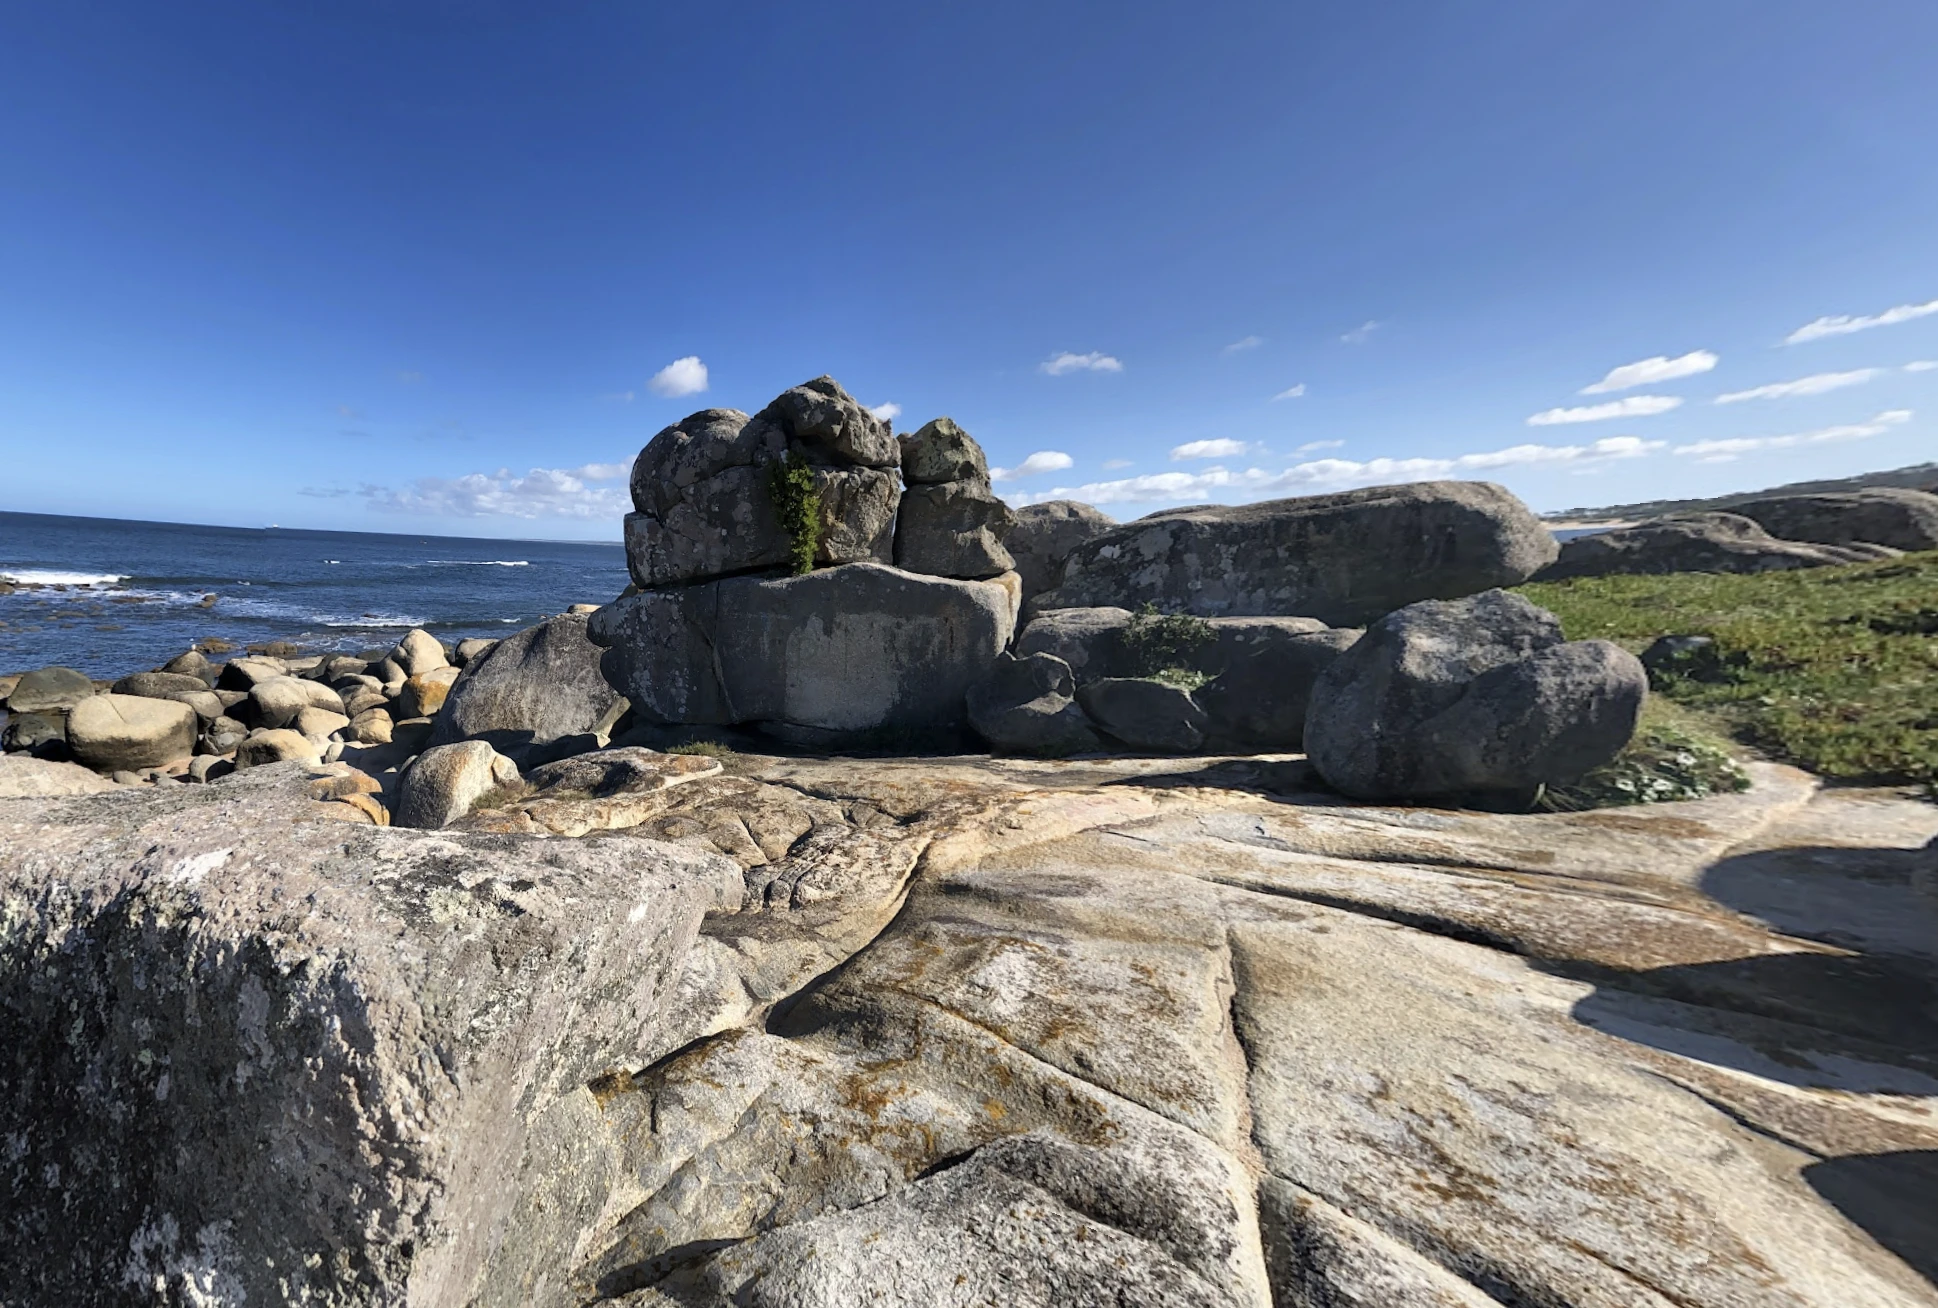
(1671, 757)
(797, 508)
(1162, 645)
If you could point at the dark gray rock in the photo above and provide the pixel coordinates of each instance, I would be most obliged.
(50, 690)
(1694, 657)
(1044, 535)
(829, 426)
(1259, 701)
(1145, 714)
(1901, 518)
(953, 529)
(1028, 706)
(1475, 700)
(160, 685)
(40, 735)
(943, 452)
(1095, 643)
(530, 689)
(1696, 542)
(1343, 558)
(854, 649)
(337, 668)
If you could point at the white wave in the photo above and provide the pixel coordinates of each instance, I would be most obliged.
(369, 620)
(475, 563)
(38, 577)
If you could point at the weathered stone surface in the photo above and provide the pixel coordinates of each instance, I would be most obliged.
(940, 451)
(370, 727)
(49, 690)
(424, 694)
(160, 685)
(1042, 536)
(446, 780)
(192, 663)
(360, 699)
(830, 426)
(204, 703)
(23, 776)
(1470, 699)
(278, 745)
(1343, 559)
(319, 723)
(852, 649)
(857, 515)
(529, 689)
(278, 700)
(471, 649)
(1903, 519)
(952, 529)
(1092, 641)
(1028, 706)
(1696, 542)
(245, 673)
(107, 732)
(419, 651)
(39, 735)
(1145, 714)
(604, 790)
(1259, 700)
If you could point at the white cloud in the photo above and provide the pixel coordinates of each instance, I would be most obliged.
(1921, 365)
(540, 493)
(602, 471)
(619, 397)
(1812, 385)
(1648, 372)
(886, 412)
(1111, 465)
(1058, 364)
(1323, 474)
(1310, 446)
(1844, 324)
(1635, 406)
(1222, 448)
(1248, 343)
(1291, 392)
(1722, 451)
(687, 376)
(1041, 461)
(1362, 333)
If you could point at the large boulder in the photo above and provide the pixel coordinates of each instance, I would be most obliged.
(277, 700)
(419, 652)
(111, 733)
(1476, 700)
(447, 780)
(1042, 536)
(1114, 642)
(23, 776)
(1145, 714)
(160, 685)
(1028, 706)
(1344, 559)
(1259, 700)
(701, 488)
(954, 529)
(530, 689)
(849, 650)
(424, 694)
(40, 735)
(1899, 517)
(49, 690)
(1695, 542)
(941, 451)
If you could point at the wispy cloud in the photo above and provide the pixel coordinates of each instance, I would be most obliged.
(1815, 384)
(540, 493)
(1319, 474)
(602, 471)
(1291, 392)
(886, 412)
(685, 376)
(1041, 461)
(1921, 365)
(619, 397)
(1311, 447)
(1649, 372)
(324, 492)
(1222, 448)
(1722, 451)
(1634, 406)
(1844, 324)
(1111, 465)
(1058, 364)
(1362, 333)
(1249, 343)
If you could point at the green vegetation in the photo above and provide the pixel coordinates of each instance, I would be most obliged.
(1672, 757)
(705, 749)
(797, 507)
(1162, 645)
(1834, 669)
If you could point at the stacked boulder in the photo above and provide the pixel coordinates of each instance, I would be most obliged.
(951, 524)
(1044, 535)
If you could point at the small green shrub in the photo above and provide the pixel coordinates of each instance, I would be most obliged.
(797, 507)
(1672, 757)
(1162, 645)
(704, 748)
(1182, 678)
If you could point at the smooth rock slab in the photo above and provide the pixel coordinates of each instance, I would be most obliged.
(1696, 542)
(1881, 515)
(23, 776)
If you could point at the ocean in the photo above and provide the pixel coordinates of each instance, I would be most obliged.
(111, 597)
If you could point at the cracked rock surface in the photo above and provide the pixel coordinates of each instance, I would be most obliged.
(959, 1031)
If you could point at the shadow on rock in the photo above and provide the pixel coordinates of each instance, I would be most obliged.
(1892, 1196)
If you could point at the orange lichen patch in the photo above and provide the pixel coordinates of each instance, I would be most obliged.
(994, 1109)
(608, 1086)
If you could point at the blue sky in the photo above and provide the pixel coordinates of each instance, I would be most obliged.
(416, 265)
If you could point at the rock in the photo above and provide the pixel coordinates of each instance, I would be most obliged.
(1259, 701)
(1042, 536)
(204, 768)
(7, 682)
(1028, 706)
(954, 529)
(857, 515)
(1681, 656)
(1343, 558)
(246, 673)
(108, 732)
(41, 735)
(1696, 542)
(580, 610)
(530, 689)
(278, 700)
(192, 663)
(419, 652)
(849, 650)
(50, 690)
(1470, 700)
(319, 724)
(335, 669)
(1088, 640)
(447, 780)
(222, 735)
(1903, 519)
(827, 423)
(360, 699)
(1094, 642)
(471, 649)
(280, 745)
(230, 698)
(389, 673)
(370, 727)
(123, 777)
(1145, 714)
(160, 685)
(942, 452)
(204, 702)
(22, 775)
(425, 693)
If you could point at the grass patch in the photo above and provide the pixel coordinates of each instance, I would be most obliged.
(501, 796)
(1829, 668)
(1673, 756)
(705, 749)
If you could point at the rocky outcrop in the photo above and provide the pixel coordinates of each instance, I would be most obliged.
(1044, 535)
(1343, 559)
(127, 732)
(1900, 518)
(837, 653)
(1697, 542)
(445, 781)
(23, 776)
(531, 689)
(950, 522)
(1028, 705)
(1476, 700)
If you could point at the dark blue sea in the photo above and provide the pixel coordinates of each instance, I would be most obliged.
(112, 597)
